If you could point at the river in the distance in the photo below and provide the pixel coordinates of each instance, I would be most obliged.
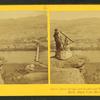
(22, 56)
(92, 55)
(28, 56)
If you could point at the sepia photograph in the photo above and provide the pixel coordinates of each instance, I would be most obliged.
(75, 47)
(23, 47)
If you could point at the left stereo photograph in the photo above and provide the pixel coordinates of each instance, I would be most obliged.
(23, 47)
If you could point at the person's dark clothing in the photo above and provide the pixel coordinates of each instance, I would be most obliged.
(58, 45)
(58, 41)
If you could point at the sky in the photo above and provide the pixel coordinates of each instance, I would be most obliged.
(18, 14)
(73, 15)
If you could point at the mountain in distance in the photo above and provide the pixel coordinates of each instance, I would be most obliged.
(83, 28)
(23, 27)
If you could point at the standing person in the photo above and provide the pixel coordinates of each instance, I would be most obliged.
(58, 43)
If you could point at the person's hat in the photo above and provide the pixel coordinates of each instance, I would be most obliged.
(56, 29)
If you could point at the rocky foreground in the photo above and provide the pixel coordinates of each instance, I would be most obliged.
(67, 71)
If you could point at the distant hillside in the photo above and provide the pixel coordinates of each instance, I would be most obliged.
(85, 28)
(84, 32)
(23, 27)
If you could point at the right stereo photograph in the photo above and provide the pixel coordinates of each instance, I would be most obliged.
(75, 47)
